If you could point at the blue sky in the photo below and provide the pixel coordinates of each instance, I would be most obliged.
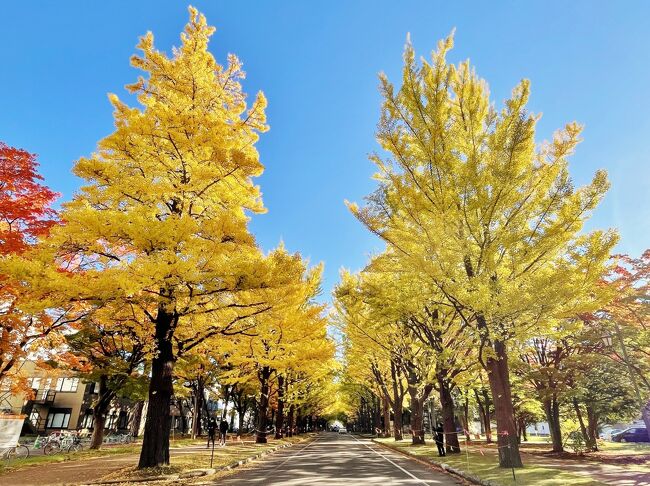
(317, 63)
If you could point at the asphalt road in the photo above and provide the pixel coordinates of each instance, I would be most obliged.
(333, 459)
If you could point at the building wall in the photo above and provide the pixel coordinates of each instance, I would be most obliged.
(63, 400)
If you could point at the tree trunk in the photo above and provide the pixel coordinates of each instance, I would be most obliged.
(592, 428)
(291, 419)
(155, 445)
(499, 377)
(240, 423)
(279, 420)
(262, 413)
(522, 430)
(100, 409)
(386, 414)
(376, 414)
(484, 412)
(397, 421)
(583, 428)
(196, 414)
(447, 405)
(468, 439)
(645, 413)
(552, 412)
(417, 412)
(136, 418)
(99, 422)
(182, 416)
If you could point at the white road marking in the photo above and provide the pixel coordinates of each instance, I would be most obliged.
(394, 464)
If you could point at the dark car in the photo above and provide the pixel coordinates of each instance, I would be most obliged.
(633, 434)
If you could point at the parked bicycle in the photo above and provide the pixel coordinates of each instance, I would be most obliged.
(49, 444)
(59, 442)
(118, 438)
(72, 443)
(16, 452)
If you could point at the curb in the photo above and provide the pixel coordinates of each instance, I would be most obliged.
(445, 467)
(193, 473)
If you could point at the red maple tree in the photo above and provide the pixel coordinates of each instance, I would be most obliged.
(25, 216)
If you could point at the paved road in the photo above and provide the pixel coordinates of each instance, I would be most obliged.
(333, 459)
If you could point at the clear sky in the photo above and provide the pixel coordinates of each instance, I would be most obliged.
(317, 63)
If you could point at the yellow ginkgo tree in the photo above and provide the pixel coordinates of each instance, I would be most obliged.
(161, 222)
(468, 199)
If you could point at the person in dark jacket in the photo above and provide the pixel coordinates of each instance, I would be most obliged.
(223, 430)
(212, 431)
(440, 440)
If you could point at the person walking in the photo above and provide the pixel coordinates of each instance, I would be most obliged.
(440, 440)
(212, 431)
(223, 430)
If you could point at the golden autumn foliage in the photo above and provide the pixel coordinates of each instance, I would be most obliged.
(161, 223)
(468, 201)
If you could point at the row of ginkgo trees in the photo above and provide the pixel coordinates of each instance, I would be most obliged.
(151, 266)
(485, 244)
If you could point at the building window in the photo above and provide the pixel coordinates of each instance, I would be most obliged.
(88, 419)
(67, 384)
(123, 420)
(35, 418)
(34, 383)
(58, 418)
(110, 423)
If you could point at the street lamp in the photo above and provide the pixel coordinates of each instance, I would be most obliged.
(607, 340)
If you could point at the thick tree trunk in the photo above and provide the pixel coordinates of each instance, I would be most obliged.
(136, 418)
(386, 415)
(279, 421)
(99, 422)
(100, 409)
(262, 413)
(499, 377)
(155, 445)
(592, 428)
(447, 405)
(552, 412)
(417, 412)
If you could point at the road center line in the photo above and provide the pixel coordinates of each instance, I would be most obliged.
(393, 463)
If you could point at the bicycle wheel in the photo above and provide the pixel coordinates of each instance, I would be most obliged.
(51, 448)
(75, 447)
(21, 452)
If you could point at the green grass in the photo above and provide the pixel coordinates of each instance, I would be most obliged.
(14, 464)
(486, 467)
(200, 458)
